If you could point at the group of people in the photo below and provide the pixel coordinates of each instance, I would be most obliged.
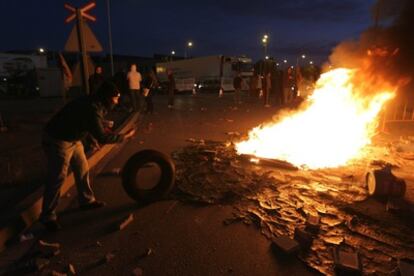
(136, 90)
(281, 85)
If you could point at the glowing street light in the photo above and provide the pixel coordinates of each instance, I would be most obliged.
(188, 46)
(285, 61)
(265, 41)
(311, 62)
(172, 54)
(41, 50)
(303, 56)
(266, 57)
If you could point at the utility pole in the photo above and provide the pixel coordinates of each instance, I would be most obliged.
(82, 47)
(108, 8)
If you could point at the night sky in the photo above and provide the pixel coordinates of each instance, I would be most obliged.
(231, 27)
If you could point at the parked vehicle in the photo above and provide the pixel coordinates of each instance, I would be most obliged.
(210, 73)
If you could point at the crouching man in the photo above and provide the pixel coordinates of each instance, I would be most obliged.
(63, 147)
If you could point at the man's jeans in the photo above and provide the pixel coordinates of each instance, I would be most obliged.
(60, 155)
(136, 99)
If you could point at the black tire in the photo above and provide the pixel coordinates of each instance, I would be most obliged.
(135, 163)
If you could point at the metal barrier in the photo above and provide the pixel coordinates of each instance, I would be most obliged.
(400, 113)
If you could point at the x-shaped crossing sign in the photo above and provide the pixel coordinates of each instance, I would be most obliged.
(83, 12)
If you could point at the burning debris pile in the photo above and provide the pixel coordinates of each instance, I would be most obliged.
(328, 130)
(279, 201)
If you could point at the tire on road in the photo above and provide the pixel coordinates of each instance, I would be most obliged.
(138, 161)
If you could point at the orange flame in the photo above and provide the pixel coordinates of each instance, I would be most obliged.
(332, 128)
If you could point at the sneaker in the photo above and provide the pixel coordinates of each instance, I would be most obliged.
(52, 225)
(93, 205)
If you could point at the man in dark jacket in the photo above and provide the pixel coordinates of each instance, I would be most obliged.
(63, 147)
(96, 80)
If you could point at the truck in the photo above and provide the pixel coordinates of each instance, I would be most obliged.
(18, 73)
(209, 73)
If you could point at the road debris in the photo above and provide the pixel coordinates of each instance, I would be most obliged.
(285, 245)
(346, 262)
(233, 133)
(71, 269)
(303, 237)
(47, 249)
(312, 223)
(124, 223)
(26, 237)
(278, 200)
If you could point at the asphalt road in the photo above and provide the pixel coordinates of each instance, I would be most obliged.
(168, 237)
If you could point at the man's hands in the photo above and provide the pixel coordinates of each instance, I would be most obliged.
(129, 133)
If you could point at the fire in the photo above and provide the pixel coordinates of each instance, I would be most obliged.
(331, 128)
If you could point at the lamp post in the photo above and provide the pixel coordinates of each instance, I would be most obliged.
(172, 54)
(111, 57)
(187, 48)
(303, 56)
(265, 42)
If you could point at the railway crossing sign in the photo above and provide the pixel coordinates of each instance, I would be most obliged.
(91, 42)
(83, 12)
(82, 39)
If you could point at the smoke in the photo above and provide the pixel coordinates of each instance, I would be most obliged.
(385, 51)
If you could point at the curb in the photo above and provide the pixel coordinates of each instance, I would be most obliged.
(28, 210)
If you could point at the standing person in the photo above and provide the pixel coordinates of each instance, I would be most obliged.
(288, 84)
(63, 147)
(253, 84)
(134, 81)
(237, 84)
(267, 88)
(149, 83)
(171, 88)
(120, 80)
(96, 80)
(278, 88)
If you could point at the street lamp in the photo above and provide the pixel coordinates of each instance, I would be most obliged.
(188, 46)
(41, 50)
(172, 54)
(265, 42)
(303, 56)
